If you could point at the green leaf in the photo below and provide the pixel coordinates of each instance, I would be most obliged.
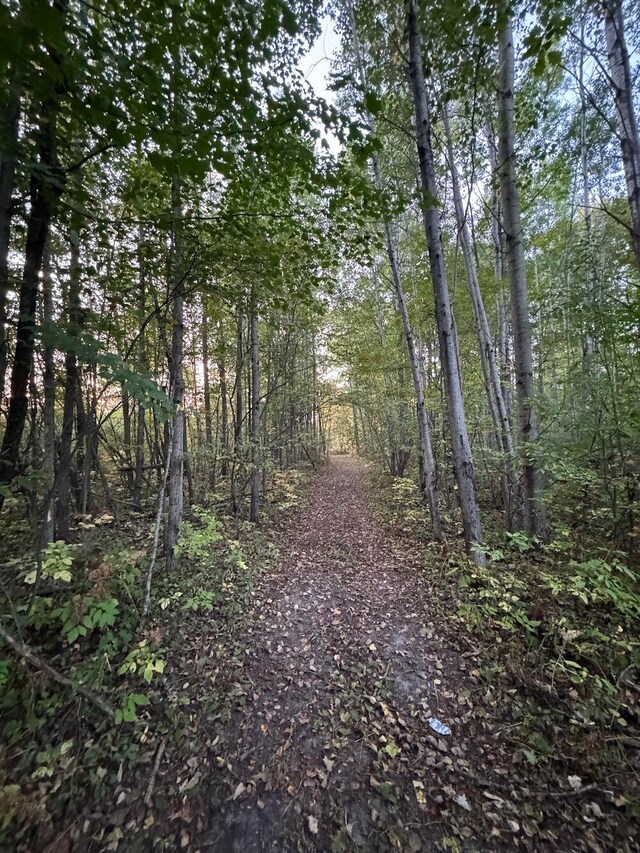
(373, 103)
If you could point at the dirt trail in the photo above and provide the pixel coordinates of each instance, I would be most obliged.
(333, 750)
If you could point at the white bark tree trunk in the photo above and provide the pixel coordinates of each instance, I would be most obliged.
(176, 470)
(461, 448)
(486, 347)
(533, 508)
(48, 417)
(588, 343)
(427, 467)
(9, 125)
(254, 511)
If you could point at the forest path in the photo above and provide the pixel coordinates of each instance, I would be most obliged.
(334, 750)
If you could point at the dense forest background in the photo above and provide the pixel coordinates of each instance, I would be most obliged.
(212, 276)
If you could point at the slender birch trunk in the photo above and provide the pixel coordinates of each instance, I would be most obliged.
(486, 347)
(427, 463)
(142, 364)
(49, 384)
(254, 512)
(146, 604)
(461, 448)
(9, 124)
(176, 472)
(588, 343)
(497, 235)
(533, 508)
(224, 402)
(74, 326)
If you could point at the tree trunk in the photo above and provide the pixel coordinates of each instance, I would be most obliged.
(237, 435)
(622, 85)
(462, 460)
(74, 325)
(176, 472)
(210, 454)
(491, 371)
(224, 403)
(426, 460)
(46, 185)
(188, 473)
(238, 413)
(497, 234)
(254, 513)
(208, 421)
(126, 437)
(49, 384)
(142, 364)
(9, 123)
(533, 508)
(87, 431)
(588, 343)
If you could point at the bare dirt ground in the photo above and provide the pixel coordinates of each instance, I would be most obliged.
(334, 750)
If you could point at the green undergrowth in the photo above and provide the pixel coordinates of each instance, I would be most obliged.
(551, 636)
(62, 756)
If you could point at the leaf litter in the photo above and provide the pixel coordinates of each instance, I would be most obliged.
(353, 671)
(337, 677)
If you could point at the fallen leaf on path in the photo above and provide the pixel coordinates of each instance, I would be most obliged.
(462, 801)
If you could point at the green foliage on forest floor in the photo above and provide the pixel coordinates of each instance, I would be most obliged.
(80, 612)
(552, 635)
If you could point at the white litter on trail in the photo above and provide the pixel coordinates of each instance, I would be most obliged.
(439, 726)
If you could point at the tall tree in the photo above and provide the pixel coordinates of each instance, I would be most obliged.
(177, 279)
(486, 347)
(427, 462)
(46, 184)
(254, 511)
(461, 448)
(176, 471)
(533, 508)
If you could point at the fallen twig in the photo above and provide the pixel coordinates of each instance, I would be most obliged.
(152, 782)
(146, 605)
(574, 792)
(501, 786)
(42, 665)
(622, 680)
